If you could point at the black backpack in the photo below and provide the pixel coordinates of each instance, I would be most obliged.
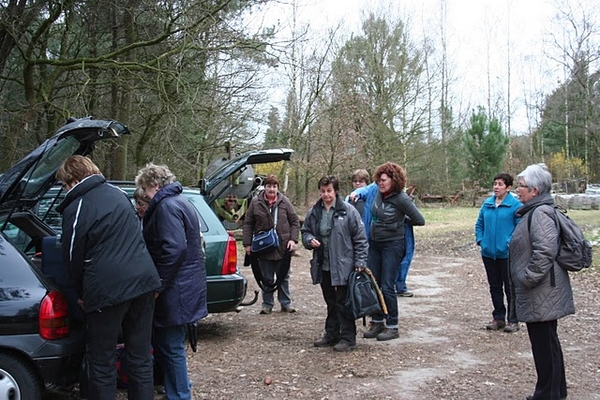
(362, 298)
(574, 252)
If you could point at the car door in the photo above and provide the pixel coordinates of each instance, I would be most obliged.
(26, 182)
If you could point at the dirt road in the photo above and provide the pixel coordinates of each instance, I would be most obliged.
(444, 351)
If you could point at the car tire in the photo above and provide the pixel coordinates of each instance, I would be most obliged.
(17, 380)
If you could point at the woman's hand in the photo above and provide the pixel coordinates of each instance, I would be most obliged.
(314, 243)
(291, 245)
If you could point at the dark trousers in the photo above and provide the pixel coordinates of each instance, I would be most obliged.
(499, 281)
(548, 358)
(383, 260)
(338, 326)
(135, 318)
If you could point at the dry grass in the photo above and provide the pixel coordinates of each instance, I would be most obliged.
(458, 220)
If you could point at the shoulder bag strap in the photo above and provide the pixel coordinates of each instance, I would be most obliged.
(552, 277)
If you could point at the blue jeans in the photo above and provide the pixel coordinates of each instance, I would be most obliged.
(169, 344)
(498, 279)
(409, 252)
(383, 261)
(269, 270)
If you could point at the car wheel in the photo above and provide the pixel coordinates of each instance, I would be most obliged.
(17, 381)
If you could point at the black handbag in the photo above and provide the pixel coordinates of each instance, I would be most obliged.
(266, 241)
(362, 298)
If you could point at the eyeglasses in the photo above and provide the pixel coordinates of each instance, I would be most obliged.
(523, 186)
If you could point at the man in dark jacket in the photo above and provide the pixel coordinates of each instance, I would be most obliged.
(172, 233)
(113, 274)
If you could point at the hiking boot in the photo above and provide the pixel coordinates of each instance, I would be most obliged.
(495, 325)
(325, 341)
(405, 294)
(344, 346)
(265, 310)
(511, 327)
(288, 309)
(375, 328)
(388, 334)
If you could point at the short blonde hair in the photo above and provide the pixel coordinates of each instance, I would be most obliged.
(361, 175)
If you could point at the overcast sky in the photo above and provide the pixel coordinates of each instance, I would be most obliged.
(473, 27)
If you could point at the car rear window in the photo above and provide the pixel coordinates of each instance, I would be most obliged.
(46, 208)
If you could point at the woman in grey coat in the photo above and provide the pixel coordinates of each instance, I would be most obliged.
(334, 231)
(542, 290)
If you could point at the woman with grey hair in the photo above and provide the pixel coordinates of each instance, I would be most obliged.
(172, 234)
(542, 291)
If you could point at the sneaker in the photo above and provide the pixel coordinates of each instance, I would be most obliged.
(388, 334)
(495, 325)
(406, 294)
(511, 327)
(325, 342)
(375, 328)
(288, 309)
(265, 310)
(344, 346)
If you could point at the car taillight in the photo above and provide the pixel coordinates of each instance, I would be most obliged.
(54, 316)
(230, 260)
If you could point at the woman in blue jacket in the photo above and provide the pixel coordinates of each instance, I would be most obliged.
(173, 238)
(493, 230)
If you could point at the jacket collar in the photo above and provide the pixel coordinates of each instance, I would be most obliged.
(84, 186)
(170, 190)
(545, 198)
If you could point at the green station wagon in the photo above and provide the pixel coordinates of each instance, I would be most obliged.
(226, 285)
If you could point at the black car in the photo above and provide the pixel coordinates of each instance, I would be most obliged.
(41, 346)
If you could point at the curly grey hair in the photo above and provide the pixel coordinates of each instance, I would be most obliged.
(152, 175)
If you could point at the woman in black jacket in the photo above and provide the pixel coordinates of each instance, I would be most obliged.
(112, 273)
(386, 243)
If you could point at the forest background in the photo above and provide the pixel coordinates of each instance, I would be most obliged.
(194, 81)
